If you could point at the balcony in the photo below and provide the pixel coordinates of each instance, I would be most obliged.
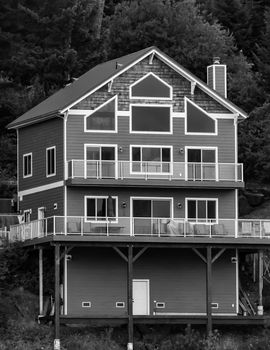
(160, 173)
(140, 227)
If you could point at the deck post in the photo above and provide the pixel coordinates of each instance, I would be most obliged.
(56, 345)
(130, 297)
(209, 290)
(260, 306)
(40, 265)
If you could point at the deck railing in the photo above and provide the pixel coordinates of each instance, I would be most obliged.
(110, 169)
(140, 226)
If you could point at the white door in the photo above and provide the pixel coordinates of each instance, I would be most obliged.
(140, 297)
(41, 222)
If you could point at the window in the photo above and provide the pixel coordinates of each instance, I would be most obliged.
(51, 161)
(202, 210)
(100, 161)
(198, 121)
(101, 208)
(151, 87)
(27, 165)
(103, 118)
(27, 216)
(201, 164)
(151, 159)
(151, 119)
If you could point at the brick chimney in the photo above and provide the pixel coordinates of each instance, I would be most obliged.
(217, 76)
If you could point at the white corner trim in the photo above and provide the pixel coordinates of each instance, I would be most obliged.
(41, 188)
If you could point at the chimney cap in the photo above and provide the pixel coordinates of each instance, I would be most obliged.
(216, 60)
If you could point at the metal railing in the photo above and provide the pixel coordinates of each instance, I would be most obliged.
(140, 226)
(109, 169)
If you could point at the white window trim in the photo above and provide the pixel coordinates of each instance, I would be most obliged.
(48, 149)
(99, 107)
(201, 199)
(150, 105)
(201, 148)
(101, 145)
(203, 111)
(147, 97)
(31, 157)
(27, 211)
(101, 221)
(150, 173)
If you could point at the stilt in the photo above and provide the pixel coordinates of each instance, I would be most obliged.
(130, 298)
(260, 306)
(40, 255)
(57, 297)
(209, 290)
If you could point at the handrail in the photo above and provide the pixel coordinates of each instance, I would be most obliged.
(185, 171)
(140, 226)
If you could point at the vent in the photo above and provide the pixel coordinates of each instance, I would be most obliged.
(160, 305)
(86, 304)
(214, 305)
(120, 304)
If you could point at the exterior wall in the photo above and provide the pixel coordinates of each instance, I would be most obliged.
(177, 278)
(77, 138)
(36, 138)
(44, 199)
(226, 199)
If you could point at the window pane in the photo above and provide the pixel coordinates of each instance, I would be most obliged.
(209, 156)
(90, 210)
(103, 118)
(150, 87)
(211, 207)
(194, 155)
(136, 154)
(192, 209)
(150, 154)
(201, 209)
(198, 121)
(50, 161)
(93, 153)
(166, 155)
(151, 119)
(141, 208)
(101, 207)
(161, 209)
(107, 153)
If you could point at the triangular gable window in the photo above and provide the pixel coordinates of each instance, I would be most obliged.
(103, 118)
(198, 121)
(151, 87)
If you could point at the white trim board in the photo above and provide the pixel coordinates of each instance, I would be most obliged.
(40, 188)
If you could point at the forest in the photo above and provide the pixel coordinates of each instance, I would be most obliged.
(46, 44)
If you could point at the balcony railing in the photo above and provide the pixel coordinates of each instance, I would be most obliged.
(140, 226)
(108, 169)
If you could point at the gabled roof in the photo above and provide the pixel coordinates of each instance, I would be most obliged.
(86, 84)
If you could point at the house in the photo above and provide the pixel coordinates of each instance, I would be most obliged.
(131, 175)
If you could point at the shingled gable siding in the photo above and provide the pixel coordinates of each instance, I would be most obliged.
(176, 276)
(75, 199)
(45, 199)
(36, 138)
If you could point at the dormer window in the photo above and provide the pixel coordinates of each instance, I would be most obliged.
(151, 87)
(198, 121)
(103, 118)
(151, 119)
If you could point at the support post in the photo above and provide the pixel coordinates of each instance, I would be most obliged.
(209, 290)
(260, 306)
(130, 298)
(40, 265)
(57, 298)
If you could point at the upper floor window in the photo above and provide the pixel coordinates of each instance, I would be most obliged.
(198, 121)
(103, 119)
(151, 119)
(51, 161)
(201, 210)
(100, 161)
(100, 208)
(151, 159)
(151, 87)
(201, 163)
(27, 165)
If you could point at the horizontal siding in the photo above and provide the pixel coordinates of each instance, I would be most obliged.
(44, 199)
(181, 88)
(77, 138)
(36, 138)
(177, 278)
(75, 199)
